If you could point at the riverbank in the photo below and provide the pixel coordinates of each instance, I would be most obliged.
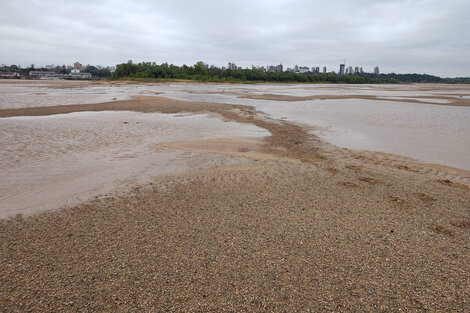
(286, 225)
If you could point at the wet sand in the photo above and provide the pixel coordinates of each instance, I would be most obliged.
(404, 119)
(291, 224)
(146, 104)
(397, 119)
(140, 104)
(49, 161)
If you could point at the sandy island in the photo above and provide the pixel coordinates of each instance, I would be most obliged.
(298, 227)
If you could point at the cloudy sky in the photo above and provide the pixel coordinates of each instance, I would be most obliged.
(403, 36)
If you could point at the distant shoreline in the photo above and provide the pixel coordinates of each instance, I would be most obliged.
(250, 82)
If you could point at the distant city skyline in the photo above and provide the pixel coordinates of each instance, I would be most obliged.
(350, 70)
(399, 36)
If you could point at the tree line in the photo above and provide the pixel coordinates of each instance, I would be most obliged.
(200, 72)
(424, 78)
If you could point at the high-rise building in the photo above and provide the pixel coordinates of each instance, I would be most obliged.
(376, 70)
(232, 66)
(324, 69)
(341, 69)
(357, 70)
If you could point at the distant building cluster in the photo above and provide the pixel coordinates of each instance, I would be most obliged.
(75, 71)
(232, 66)
(9, 75)
(343, 70)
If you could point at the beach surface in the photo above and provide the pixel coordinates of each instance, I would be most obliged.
(193, 200)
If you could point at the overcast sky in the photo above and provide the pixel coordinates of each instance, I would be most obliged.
(403, 36)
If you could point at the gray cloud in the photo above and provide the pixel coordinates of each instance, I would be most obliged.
(398, 35)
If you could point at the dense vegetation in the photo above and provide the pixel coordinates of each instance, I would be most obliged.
(201, 73)
(98, 72)
(422, 78)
